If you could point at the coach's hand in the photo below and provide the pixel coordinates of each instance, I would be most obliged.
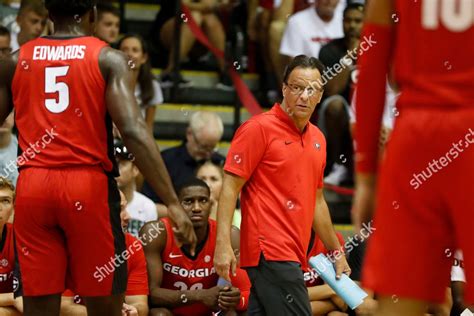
(364, 200)
(224, 260)
(341, 266)
(183, 228)
(229, 297)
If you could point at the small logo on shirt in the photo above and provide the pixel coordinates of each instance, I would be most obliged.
(317, 146)
(207, 258)
(4, 262)
(16, 284)
(175, 256)
(237, 159)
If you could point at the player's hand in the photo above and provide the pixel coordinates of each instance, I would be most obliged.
(183, 228)
(229, 297)
(341, 266)
(340, 304)
(129, 310)
(210, 297)
(364, 200)
(367, 308)
(225, 260)
(19, 304)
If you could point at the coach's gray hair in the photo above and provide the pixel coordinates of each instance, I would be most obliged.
(210, 120)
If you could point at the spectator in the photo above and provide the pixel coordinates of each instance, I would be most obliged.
(31, 19)
(136, 296)
(204, 132)
(182, 284)
(108, 23)
(8, 304)
(322, 298)
(308, 30)
(5, 48)
(8, 13)
(204, 13)
(140, 208)
(213, 175)
(147, 89)
(340, 54)
(8, 150)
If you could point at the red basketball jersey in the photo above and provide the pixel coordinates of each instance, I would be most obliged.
(59, 99)
(7, 259)
(183, 273)
(433, 53)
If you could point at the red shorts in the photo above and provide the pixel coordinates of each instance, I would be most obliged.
(424, 215)
(67, 230)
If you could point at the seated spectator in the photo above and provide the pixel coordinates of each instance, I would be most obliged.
(136, 295)
(213, 175)
(140, 208)
(308, 30)
(204, 13)
(5, 48)
(203, 134)
(323, 298)
(108, 23)
(340, 57)
(8, 150)
(31, 19)
(8, 304)
(147, 89)
(182, 283)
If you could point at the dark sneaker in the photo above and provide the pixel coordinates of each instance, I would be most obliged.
(225, 83)
(167, 81)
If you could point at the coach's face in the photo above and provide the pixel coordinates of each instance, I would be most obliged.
(301, 93)
(197, 204)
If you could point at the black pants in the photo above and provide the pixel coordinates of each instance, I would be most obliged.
(277, 289)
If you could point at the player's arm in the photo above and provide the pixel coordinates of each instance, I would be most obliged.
(124, 111)
(9, 311)
(160, 297)
(7, 299)
(224, 257)
(7, 71)
(69, 308)
(323, 227)
(140, 302)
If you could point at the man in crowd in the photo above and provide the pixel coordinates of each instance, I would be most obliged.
(32, 20)
(203, 134)
(277, 160)
(5, 39)
(181, 284)
(140, 208)
(340, 55)
(108, 23)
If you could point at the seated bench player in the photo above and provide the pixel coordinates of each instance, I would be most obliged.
(323, 299)
(8, 305)
(136, 295)
(182, 284)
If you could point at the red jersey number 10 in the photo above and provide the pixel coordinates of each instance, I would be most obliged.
(53, 85)
(455, 15)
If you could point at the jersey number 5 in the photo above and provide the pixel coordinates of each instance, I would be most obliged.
(59, 104)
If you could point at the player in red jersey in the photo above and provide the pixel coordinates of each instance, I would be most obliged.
(424, 195)
(8, 305)
(66, 90)
(181, 284)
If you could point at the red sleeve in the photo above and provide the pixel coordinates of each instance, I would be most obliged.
(370, 99)
(137, 274)
(246, 150)
(68, 293)
(321, 178)
(242, 281)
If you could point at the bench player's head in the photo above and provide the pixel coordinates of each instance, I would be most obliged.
(195, 198)
(302, 87)
(69, 12)
(31, 19)
(7, 197)
(128, 170)
(5, 37)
